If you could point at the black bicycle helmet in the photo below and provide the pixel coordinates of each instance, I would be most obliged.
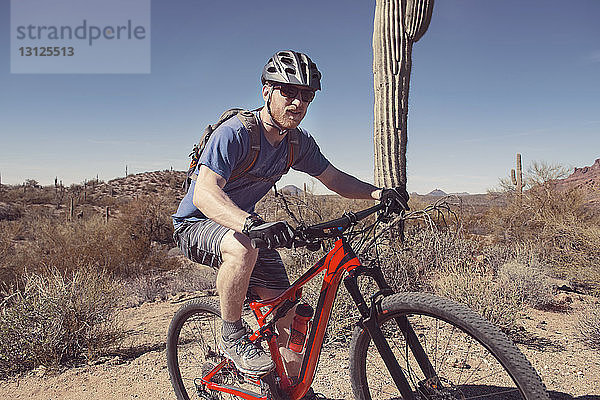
(292, 67)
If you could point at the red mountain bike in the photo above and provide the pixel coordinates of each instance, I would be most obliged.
(410, 346)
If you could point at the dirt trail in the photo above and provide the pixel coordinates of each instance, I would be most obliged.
(569, 369)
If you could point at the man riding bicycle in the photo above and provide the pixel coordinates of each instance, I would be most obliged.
(215, 221)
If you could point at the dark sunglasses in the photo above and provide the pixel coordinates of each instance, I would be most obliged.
(291, 92)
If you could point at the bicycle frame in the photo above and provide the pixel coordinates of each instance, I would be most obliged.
(339, 260)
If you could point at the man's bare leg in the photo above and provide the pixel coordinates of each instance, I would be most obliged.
(234, 273)
(233, 278)
(232, 283)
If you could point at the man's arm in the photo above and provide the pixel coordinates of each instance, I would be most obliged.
(348, 186)
(213, 202)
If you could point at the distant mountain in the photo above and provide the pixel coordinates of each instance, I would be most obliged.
(145, 183)
(587, 179)
(437, 192)
(291, 189)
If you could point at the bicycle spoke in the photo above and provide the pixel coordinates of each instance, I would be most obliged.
(465, 369)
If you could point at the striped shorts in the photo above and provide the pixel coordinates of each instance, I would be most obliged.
(201, 242)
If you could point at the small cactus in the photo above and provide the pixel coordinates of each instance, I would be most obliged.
(517, 177)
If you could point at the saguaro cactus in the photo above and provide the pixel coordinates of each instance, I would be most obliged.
(398, 24)
(517, 178)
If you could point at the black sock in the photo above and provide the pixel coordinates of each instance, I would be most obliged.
(229, 328)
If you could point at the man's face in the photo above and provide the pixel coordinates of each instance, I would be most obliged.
(288, 103)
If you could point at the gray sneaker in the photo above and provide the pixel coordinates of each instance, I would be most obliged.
(248, 357)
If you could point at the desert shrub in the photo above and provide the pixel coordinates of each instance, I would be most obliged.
(149, 217)
(574, 252)
(8, 231)
(125, 246)
(497, 284)
(443, 261)
(410, 266)
(480, 292)
(487, 278)
(57, 318)
(309, 209)
(10, 211)
(116, 246)
(530, 283)
(29, 193)
(11, 232)
(588, 326)
(554, 223)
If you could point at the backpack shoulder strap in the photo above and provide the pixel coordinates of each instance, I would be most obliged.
(192, 175)
(251, 124)
(293, 147)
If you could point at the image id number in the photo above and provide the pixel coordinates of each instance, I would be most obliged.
(55, 51)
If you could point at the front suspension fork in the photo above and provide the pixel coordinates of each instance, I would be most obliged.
(370, 324)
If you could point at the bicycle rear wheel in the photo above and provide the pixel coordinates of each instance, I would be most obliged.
(472, 359)
(192, 352)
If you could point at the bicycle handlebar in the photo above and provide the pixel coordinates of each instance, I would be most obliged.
(305, 236)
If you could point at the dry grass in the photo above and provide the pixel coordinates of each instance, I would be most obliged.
(125, 246)
(530, 283)
(589, 326)
(57, 318)
(556, 225)
(482, 293)
(62, 281)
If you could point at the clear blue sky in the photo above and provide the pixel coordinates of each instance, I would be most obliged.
(490, 79)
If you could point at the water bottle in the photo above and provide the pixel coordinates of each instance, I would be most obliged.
(304, 313)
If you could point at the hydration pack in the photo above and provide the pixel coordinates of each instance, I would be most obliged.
(251, 123)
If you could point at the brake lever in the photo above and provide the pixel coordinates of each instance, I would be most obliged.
(385, 215)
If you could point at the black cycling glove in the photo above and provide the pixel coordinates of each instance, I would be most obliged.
(395, 199)
(268, 234)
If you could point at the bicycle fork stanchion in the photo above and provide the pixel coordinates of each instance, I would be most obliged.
(369, 322)
(415, 347)
(407, 331)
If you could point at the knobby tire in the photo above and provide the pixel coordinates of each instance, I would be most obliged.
(472, 358)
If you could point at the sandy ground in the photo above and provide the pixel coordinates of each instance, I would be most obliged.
(569, 369)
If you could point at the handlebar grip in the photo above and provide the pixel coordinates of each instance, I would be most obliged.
(258, 243)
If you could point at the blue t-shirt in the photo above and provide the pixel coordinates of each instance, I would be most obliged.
(228, 146)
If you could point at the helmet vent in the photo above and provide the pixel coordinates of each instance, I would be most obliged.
(290, 71)
(287, 60)
(272, 70)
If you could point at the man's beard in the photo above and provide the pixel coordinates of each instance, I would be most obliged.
(286, 120)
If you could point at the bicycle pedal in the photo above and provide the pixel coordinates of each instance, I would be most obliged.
(255, 378)
(271, 387)
(203, 395)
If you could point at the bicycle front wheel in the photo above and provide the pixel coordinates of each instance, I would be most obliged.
(468, 357)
